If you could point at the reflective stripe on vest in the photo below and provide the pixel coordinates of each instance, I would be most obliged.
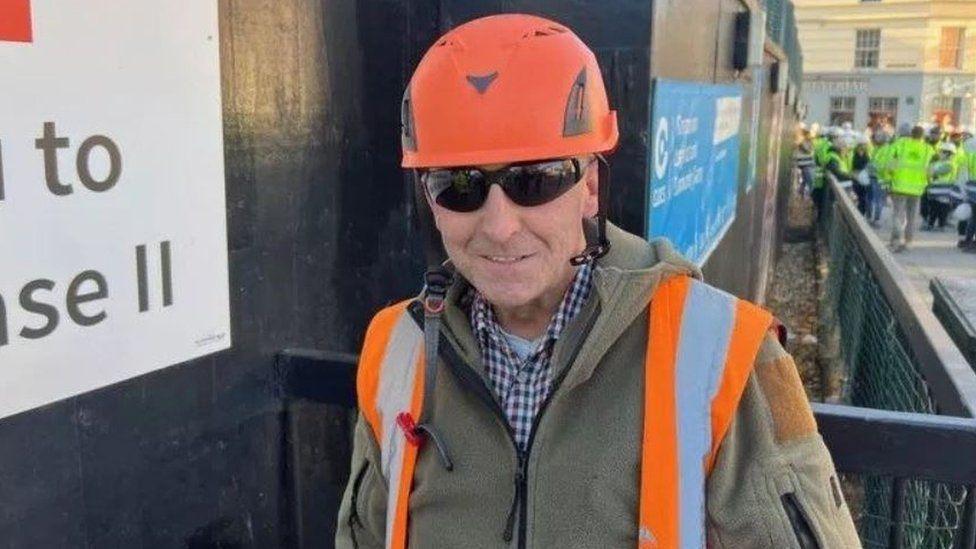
(701, 346)
(390, 381)
(971, 191)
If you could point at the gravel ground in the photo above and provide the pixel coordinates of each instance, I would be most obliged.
(793, 298)
(793, 293)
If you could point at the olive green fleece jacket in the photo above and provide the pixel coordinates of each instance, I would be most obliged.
(773, 485)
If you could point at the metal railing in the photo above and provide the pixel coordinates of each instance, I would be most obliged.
(889, 353)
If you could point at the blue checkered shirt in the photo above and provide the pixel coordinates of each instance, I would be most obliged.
(522, 386)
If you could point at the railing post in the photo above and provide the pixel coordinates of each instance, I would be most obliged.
(896, 533)
(967, 540)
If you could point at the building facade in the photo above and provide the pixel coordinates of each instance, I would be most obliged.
(870, 62)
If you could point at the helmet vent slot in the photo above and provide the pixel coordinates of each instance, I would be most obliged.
(544, 31)
(577, 118)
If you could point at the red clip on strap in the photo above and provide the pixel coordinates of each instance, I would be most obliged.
(434, 306)
(409, 427)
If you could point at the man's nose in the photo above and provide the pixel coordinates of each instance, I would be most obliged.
(499, 216)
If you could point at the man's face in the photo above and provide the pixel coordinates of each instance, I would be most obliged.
(517, 255)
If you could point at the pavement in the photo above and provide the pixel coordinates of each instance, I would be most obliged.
(931, 254)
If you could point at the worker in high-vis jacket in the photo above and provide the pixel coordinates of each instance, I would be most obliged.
(821, 151)
(943, 192)
(910, 159)
(968, 179)
(880, 174)
(561, 383)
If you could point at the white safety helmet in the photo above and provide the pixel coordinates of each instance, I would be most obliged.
(948, 147)
(842, 141)
(970, 145)
(847, 126)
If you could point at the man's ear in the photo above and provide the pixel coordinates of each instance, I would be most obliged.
(591, 182)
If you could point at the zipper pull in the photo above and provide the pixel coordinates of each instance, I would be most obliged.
(510, 521)
(519, 479)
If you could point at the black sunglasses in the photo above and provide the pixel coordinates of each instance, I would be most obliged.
(526, 184)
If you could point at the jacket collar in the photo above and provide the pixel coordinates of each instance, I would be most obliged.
(623, 282)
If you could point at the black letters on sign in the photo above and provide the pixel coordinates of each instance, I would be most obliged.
(73, 300)
(33, 301)
(50, 143)
(166, 275)
(48, 311)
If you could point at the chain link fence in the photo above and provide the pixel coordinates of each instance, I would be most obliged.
(868, 362)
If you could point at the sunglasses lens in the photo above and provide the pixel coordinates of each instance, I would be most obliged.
(536, 184)
(466, 189)
(457, 190)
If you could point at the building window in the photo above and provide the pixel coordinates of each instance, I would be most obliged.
(951, 47)
(882, 111)
(946, 109)
(842, 110)
(866, 47)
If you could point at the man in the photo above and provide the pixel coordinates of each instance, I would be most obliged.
(860, 162)
(910, 158)
(880, 174)
(821, 152)
(935, 136)
(968, 242)
(803, 158)
(942, 191)
(839, 160)
(517, 402)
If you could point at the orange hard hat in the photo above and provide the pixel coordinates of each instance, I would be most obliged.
(502, 89)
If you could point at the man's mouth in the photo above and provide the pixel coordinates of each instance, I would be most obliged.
(505, 259)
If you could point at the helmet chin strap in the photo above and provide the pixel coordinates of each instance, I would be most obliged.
(437, 281)
(600, 248)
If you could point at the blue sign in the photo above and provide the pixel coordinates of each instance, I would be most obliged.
(694, 164)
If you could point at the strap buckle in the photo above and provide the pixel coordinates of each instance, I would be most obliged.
(409, 427)
(436, 282)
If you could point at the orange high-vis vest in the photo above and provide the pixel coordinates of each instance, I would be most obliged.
(702, 344)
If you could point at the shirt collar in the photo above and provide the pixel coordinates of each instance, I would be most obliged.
(488, 332)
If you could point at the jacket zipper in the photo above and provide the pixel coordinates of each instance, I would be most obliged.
(523, 508)
(472, 381)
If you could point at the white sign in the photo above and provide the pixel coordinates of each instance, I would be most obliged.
(728, 116)
(113, 239)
